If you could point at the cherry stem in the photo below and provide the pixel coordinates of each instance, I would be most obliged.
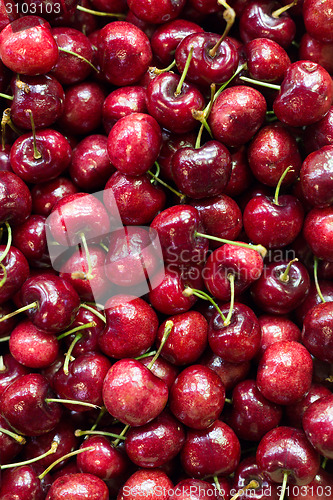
(284, 485)
(145, 355)
(4, 339)
(99, 418)
(79, 433)
(231, 278)
(315, 275)
(52, 450)
(277, 13)
(101, 14)
(97, 313)
(323, 465)
(76, 329)
(37, 154)
(285, 276)
(9, 242)
(21, 85)
(252, 484)
(259, 248)
(104, 247)
(68, 356)
(227, 400)
(66, 51)
(6, 120)
(229, 15)
(121, 435)
(177, 193)
(89, 275)
(218, 487)
(238, 70)
(206, 112)
(17, 437)
(278, 187)
(158, 71)
(72, 402)
(258, 82)
(2, 365)
(5, 96)
(204, 296)
(201, 117)
(4, 278)
(33, 305)
(167, 329)
(64, 457)
(182, 78)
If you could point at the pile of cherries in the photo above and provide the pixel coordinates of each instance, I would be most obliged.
(193, 133)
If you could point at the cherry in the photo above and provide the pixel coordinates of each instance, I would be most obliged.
(296, 412)
(41, 159)
(43, 95)
(284, 372)
(110, 5)
(198, 489)
(229, 373)
(8, 13)
(285, 455)
(25, 407)
(197, 397)
(11, 443)
(21, 482)
(248, 471)
(313, 298)
(14, 270)
(132, 394)
(318, 233)
(171, 143)
(241, 176)
(318, 22)
(125, 53)
(122, 102)
(316, 334)
(319, 134)
(312, 49)
(32, 32)
(211, 451)
(30, 239)
(146, 445)
(252, 415)
(134, 143)
(4, 159)
(321, 482)
(78, 486)
(145, 482)
(45, 195)
(266, 60)
(131, 327)
(316, 177)
(275, 329)
(15, 199)
(237, 114)
(317, 424)
(10, 370)
(157, 11)
(313, 93)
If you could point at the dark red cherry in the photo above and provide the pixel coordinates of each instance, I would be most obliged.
(14, 270)
(162, 369)
(104, 460)
(21, 482)
(285, 372)
(43, 95)
(266, 60)
(295, 412)
(122, 102)
(274, 329)
(312, 491)
(15, 199)
(46, 194)
(237, 114)
(317, 334)
(313, 299)
(241, 176)
(318, 425)
(171, 143)
(248, 471)
(83, 484)
(25, 407)
(109, 5)
(124, 54)
(202, 172)
(318, 19)
(131, 327)
(319, 134)
(229, 373)
(40, 49)
(316, 177)
(10, 447)
(211, 451)
(157, 11)
(30, 239)
(318, 232)
(8, 324)
(311, 86)
(5, 158)
(312, 49)
(156, 443)
(145, 482)
(10, 370)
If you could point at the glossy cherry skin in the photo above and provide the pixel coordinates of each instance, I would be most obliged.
(110, 5)
(23, 405)
(317, 20)
(17, 269)
(55, 156)
(266, 60)
(43, 95)
(322, 482)
(241, 175)
(296, 412)
(9, 446)
(319, 134)
(257, 21)
(162, 369)
(8, 324)
(286, 449)
(316, 334)
(45, 195)
(167, 37)
(197, 489)
(274, 329)
(174, 112)
(10, 371)
(270, 224)
(229, 373)
(284, 372)
(90, 167)
(246, 472)
(204, 68)
(171, 144)
(156, 443)
(31, 32)
(122, 102)
(15, 199)
(21, 482)
(238, 341)
(30, 239)
(318, 232)
(271, 151)
(245, 264)
(132, 394)
(318, 425)
(252, 415)
(156, 11)
(125, 53)
(78, 486)
(203, 172)
(197, 397)
(134, 143)
(131, 327)
(211, 451)
(144, 482)
(89, 340)
(237, 114)
(313, 94)
(57, 301)
(316, 177)
(312, 49)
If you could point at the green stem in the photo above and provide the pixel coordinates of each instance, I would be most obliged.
(177, 193)
(206, 113)
(167, 329)
(145, 355)
(259, 248)
(100, 14)
(277, 13)
(204, 296)
(182, 78)
(315, 274)
(9, 242)
(231, 278)
(17, 437)
(238, 70)
(72, 402)
(104, 247)
(76, 329)
(252, 484)
(68, 355)
(4, 339)
(52, 450)
(121, 435)
(64, 457)
(284, 485)
(323, 465)
(99, 418)
(198, 141)
(97, 313)
(278, 187)
(37, 154)
(33, 305)
(5, 96)
(2, 365)
(229, 15)
(89, 275)
(79, 433)
(258, 82)
(285, 276)
(218, 487)
(66, 51)
(158, 71)
(229, 401)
